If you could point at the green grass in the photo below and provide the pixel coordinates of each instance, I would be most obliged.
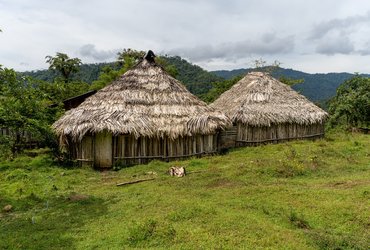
(296, 195)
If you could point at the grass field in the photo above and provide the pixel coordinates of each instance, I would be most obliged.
(296, 195)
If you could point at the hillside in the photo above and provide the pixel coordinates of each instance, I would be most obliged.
(316, 87)
(296, 195)
(197, 80)
(88, 72)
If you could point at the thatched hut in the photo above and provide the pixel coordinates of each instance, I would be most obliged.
(146, 114)
(263, 110)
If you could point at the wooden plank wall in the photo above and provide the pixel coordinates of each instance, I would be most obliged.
(103, 157)
(128, 150)
(227, 138)
(85, 151)
(250, 135)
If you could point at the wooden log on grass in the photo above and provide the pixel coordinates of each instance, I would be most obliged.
(133, 182)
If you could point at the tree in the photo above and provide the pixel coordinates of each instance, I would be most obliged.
(106, 76)
(219, 88)
(290, 81)
(22, 111)
(65, 65)
(260, 65)
(129, 57)
(351, 105)
(169, 68)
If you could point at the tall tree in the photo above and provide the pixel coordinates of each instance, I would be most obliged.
(351, 105)
(65, 65)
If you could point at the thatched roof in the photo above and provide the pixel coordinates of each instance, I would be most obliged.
(145, 101)
(260, 100)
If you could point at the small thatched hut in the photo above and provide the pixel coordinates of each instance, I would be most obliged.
(263, 109)
(146, 114)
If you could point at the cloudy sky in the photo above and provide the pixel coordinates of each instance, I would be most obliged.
(312, 36)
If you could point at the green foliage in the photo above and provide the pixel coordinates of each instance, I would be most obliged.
(219, 88)
(351, 105)
(26, 111)
(289, 81)
(130, 57)
(197, 80)
(63, 64)
(22, 110)
(107, 76)
(127, 59)
(57, 91)
(87, 73)
(169, 68)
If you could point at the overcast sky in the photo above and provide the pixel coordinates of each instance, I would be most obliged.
(311, 36)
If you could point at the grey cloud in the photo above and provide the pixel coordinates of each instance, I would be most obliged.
(268, 44)
(340, 45)
(322, 29)
(365, 51)
(89, 50)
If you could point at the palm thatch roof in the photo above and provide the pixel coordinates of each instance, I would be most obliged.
(145, 101)
(260, 100)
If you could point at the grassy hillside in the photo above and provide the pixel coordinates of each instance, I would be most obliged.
(296, 195)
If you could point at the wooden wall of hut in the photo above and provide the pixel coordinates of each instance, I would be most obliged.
(227, 138)
(127, 150)
(251, 135)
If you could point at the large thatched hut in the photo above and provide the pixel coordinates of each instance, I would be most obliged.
(263, 110)
(146, 114)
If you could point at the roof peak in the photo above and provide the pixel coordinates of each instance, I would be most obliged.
(149, 56)
(258, 73)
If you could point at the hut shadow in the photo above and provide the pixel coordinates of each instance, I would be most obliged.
(55, 224)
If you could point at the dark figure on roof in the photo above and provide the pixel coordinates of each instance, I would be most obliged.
(149, 56)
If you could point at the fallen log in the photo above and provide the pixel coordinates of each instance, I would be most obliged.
(133, 182)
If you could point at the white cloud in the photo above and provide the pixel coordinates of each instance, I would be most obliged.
(213, 33)
(90, 51)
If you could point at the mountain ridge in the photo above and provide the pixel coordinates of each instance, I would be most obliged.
(317, 87)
